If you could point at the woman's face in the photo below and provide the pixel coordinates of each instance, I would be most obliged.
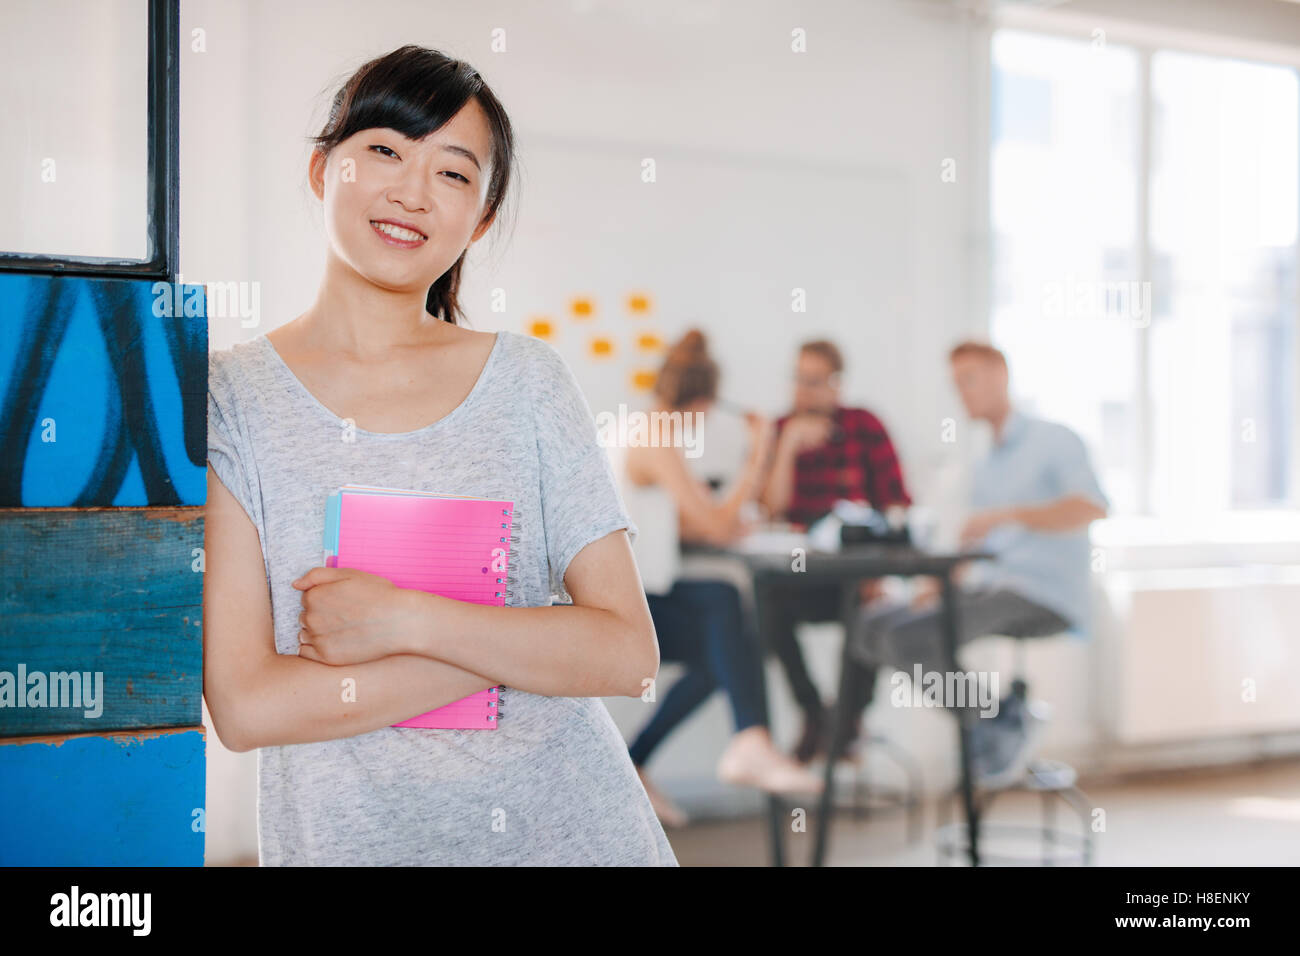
(399, 211)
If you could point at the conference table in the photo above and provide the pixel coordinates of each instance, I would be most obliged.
(778, 565)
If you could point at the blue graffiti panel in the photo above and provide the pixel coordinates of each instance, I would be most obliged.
(104, 390)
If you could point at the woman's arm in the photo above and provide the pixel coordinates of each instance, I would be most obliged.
(702, 517)
(259, 698)
(780, 483)
(602, 645)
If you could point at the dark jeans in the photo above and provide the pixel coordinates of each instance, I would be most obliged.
(702, 624)
(787, 609)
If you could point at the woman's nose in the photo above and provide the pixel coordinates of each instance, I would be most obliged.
(411, 191)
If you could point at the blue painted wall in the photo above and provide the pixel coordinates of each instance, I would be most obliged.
(115, 800)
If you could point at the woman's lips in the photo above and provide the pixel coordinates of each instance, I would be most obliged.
(395, 235)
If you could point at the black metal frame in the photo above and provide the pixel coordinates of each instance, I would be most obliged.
(163, 170)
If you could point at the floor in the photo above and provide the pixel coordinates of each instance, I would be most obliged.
(1245, 817)
(1234, 817)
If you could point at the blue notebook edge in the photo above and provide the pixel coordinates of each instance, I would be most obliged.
(333, 509)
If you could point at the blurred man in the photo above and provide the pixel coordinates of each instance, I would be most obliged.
(1032, 499)
(824, 452)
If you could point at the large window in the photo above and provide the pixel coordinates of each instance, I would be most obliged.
(1144, 213)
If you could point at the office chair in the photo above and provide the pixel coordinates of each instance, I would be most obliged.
(870, 797)
(1052, 779)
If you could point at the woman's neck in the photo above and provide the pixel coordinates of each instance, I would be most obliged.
(353, 315)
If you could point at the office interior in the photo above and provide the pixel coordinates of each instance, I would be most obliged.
(1106, 191)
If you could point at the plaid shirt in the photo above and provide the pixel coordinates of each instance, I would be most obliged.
(858, 464)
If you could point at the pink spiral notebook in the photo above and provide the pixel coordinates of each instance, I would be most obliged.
(455, 546)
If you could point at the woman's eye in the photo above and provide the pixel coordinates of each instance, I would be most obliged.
(386, 151)
(462, 178)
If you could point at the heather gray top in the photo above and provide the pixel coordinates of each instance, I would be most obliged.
(553, 784)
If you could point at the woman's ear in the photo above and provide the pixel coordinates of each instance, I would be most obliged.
(316, 173)
(482, 228)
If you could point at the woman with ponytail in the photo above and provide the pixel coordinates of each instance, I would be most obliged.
(701, 622)
(378, 383)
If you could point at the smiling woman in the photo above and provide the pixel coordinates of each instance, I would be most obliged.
(423, 130)
(378, 384)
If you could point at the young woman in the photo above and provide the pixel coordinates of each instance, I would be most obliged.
(701, 623)
(376, 383)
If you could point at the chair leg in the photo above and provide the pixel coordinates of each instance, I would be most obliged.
(839, 737)
(1049, 822)
(850, 678)
(861, 798)
(942, 818)
(914, 821)
(776, 821)
(950, 631)
(1078, 802)
(912, 771)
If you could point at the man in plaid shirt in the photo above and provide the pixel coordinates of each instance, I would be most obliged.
(824, 452)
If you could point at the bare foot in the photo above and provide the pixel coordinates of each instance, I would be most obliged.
(752, 760)
(669, 813)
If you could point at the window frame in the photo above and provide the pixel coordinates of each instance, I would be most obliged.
(163, 169)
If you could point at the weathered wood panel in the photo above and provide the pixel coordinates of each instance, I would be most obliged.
(115, 594)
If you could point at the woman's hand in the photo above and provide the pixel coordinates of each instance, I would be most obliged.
(761, 432)
(350, 616)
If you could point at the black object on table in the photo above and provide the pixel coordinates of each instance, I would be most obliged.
(772, 572)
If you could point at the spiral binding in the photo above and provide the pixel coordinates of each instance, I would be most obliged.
(506, 525)
(500, 688)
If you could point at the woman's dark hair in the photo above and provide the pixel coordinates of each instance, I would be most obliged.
(688, 372)
(415, 91)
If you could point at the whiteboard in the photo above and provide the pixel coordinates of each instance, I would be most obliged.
(719, 241)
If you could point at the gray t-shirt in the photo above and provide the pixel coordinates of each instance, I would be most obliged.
(553, 784)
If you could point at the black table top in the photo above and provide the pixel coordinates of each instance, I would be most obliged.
(851, 561)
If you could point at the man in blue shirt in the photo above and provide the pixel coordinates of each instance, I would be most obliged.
(1033, 497)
